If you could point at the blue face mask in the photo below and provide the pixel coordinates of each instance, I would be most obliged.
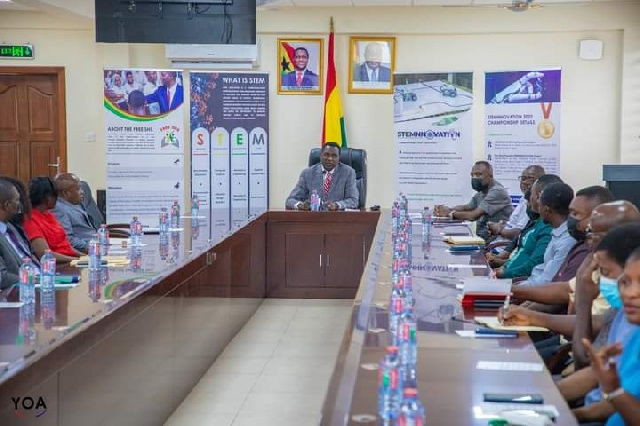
(609, 290)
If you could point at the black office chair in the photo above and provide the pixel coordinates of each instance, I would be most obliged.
(356, 158)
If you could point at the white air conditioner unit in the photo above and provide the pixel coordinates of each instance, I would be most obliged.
(212, 56)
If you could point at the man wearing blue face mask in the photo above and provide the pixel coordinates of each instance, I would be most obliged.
(491, 203)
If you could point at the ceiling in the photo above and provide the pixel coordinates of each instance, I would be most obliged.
(85, 8)
(268, 3)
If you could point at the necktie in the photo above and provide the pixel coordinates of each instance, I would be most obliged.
(168, 98)
(22, 252)
(298, 79)
(374, 76)
(327, 185)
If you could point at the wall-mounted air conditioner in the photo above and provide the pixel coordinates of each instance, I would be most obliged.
(212, 56)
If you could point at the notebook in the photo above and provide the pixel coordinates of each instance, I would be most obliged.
(464, 240)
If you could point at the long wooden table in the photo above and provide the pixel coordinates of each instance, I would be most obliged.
(450, 385)
(129, 344)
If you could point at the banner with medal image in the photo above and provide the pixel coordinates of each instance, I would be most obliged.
(144, 134)
(522, 123)
(433, 136)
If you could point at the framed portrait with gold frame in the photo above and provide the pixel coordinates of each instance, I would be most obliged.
(300, 63)
(371, 64)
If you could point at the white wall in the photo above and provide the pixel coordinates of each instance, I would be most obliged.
(601, 100)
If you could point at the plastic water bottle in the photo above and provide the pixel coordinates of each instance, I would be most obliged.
(412, 412)
(427, 222)
(195, 207)
(103, 239)
(27, 334)
(135, 231)
(163, 221)
(94, 253)
(406, 283)
(408, 345)
(389, 383)
(47, 289)
(175, 214)
(27, 275)
(94, 285)
(396, 309)
(315, 201)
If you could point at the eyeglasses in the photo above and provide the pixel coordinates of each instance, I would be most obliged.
(18, 205)
(524, 177)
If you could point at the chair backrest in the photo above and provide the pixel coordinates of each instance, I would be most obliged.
(90, 205)
(357, 159)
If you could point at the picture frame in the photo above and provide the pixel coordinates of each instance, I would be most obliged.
(297, 76)
(376, 79)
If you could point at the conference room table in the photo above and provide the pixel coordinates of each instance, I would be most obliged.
(129, 342)
(451, 382)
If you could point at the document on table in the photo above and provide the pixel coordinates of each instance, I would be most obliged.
(466, 266)
(11, 304)
(494, 323)
(485, 285)
(509, 366)
(472, 334)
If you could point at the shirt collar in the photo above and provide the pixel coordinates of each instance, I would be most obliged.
(3, 228)
(330, 172)
(562, 229)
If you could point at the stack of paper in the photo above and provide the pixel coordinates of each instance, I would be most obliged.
(484, 292)
(108, 260)
(463, 240)
(492, 322)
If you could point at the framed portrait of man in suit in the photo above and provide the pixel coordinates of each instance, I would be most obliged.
(300, 66)
(371, 64)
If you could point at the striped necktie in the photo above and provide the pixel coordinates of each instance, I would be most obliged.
(327, 184)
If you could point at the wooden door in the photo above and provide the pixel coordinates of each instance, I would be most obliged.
(32, 122)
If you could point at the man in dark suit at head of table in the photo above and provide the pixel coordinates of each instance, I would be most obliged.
(13, 247)
(335, 183)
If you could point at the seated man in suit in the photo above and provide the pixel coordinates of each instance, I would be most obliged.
(491, 203)
(70, 212)
(334, 181)
(13, 247)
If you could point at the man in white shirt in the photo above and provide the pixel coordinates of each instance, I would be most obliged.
(509, 230)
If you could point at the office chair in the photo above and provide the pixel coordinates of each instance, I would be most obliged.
(356, 158)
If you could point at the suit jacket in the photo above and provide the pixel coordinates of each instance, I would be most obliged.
(343, 186)
(309, 79)
(76, 223)
(9, 260)
(360, 73)
(160, 96)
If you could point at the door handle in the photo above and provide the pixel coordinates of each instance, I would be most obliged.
(56, 165)
(321, 260)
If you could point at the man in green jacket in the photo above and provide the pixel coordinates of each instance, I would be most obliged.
(535, 238)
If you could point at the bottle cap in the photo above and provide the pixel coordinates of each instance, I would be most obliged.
(410, 392)
(392, 349)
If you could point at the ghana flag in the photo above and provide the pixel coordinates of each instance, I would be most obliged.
(287, 54)
(333, 122)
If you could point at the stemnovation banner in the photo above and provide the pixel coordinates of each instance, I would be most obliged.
(432, 127)
(522, 123)
(145, 142)
(230, 144)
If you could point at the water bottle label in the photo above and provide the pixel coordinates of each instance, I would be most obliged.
(393, 379)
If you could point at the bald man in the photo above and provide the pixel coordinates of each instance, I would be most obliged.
(70, 212)
(372, 69)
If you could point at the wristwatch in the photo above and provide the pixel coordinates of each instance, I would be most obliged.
(610, 396)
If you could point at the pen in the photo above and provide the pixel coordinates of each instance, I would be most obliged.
(505, 307)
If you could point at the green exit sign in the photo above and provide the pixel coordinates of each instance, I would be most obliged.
(22, 51)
